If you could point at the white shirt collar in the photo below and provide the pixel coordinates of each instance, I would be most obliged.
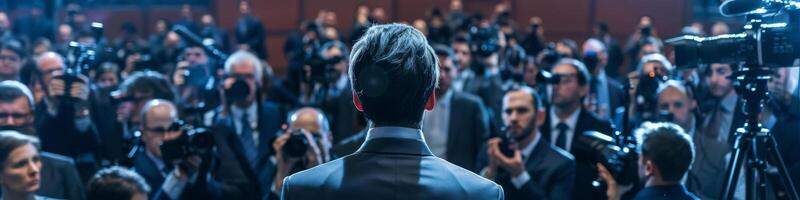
(252, 112)
(526, 152)
(571, 121)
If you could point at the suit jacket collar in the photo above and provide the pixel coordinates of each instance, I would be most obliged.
(395, 140)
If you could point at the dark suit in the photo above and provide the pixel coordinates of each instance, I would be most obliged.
(552, 172)
(145, 167)
(615, 95)
(389, 168)
(666, 192)
(234, 166)
(60, 178)
(249, 30)
(468, 128)
(584, 169)
(490, 90)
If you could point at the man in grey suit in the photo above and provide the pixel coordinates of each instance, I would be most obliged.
(393, 72)
(537, 169)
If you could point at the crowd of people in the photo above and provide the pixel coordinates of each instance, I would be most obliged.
(83, 116)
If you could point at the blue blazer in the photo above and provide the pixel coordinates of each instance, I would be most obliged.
(389, 168)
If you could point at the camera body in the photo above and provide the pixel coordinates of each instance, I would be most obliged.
(193, 141)
(484, 40)
(296, 146)
(238, 91)
(620, 159)
(762, 44)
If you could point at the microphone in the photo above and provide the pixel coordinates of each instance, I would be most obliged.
(739, 7)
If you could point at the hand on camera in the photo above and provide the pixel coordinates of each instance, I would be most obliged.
(614, 191)
(313, 157)
(186, 167)
(177, 77)
(79, 89)
(513, 165)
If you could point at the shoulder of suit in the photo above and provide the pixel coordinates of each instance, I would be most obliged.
(478, 183)
(558, 153)
(55, 158)
(319, 173)
(467, 97)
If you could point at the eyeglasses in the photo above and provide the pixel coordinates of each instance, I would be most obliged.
(175, 126)
(15, 116)
(9, 58)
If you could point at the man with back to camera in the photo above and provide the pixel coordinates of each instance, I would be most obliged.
(393, 74)
(666, 153)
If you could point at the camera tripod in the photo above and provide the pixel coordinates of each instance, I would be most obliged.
(754, 148)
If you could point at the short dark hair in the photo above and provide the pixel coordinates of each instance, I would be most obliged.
(10, 140)
(150, 83)
(14, 47)
(116, 183)
(535, 100)
(583, 75)
(668, 147)
(393, 71)
(12, 90)
(444, 50)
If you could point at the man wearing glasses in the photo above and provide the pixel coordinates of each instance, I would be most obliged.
(567, 119)
(11, 57)
(60, 178)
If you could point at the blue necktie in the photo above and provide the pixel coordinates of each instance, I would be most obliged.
(248, 144)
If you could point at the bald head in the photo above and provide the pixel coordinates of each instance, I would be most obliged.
(48, 63)
(310, 119)
(158, 113)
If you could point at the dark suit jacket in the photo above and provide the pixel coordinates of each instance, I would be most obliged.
(254, 34)
(468, 128)
(149, 171)
(490, 91)
(584, 169)
(667, 192)
(615, 95)
(552, 172)
(60, 178)
(389, 168)
(234, 168)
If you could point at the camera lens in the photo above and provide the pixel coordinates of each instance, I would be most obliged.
(239, 90)
(296, 145)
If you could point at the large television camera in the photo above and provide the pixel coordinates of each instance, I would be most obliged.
(769, 39)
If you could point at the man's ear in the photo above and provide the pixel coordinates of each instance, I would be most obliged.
(431, 102)
(649, 168)
(357, 102)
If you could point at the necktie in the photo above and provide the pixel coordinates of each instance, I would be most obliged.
(561, 141)
(246, 137)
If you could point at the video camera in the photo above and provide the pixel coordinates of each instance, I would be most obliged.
(618, 156)
(770, 45)
(85, 57)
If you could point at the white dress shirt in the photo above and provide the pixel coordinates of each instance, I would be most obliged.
(571, 122)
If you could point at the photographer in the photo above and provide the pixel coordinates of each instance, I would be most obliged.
(245, 125)
(194, 81)
(666, 154)
(605, 92)
(642, 94)
(486, 44)
(59, 176)
(186, 177)
(536, 169)
(313, 129)
(63, 122)
(725, 113)
(566, 119)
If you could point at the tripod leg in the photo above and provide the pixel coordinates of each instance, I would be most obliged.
(759, 169)
(741, 149)
(774, 153)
